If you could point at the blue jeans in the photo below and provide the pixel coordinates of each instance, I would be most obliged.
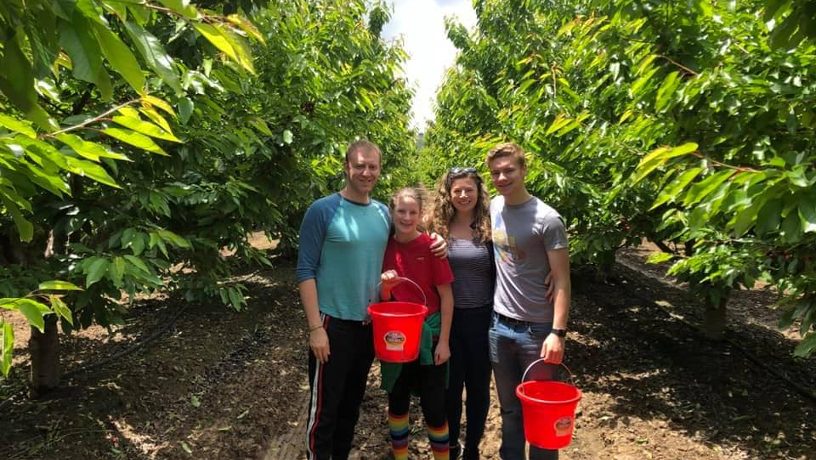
(514, 345)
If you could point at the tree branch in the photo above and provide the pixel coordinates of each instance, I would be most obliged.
(91, 120)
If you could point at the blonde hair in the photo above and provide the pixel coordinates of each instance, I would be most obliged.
(419, 194)
(508, 149)
(443, 211)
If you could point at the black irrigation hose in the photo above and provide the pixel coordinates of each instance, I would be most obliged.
(801, 389)
(128, 350)
(110, 358)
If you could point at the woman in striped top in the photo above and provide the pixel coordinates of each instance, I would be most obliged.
(461, 215)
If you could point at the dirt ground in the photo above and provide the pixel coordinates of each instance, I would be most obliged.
(206, 382)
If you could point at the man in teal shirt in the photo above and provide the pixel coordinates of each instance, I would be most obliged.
(342, 241)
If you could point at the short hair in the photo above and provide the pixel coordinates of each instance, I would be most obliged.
(363, 146)
(506, 150)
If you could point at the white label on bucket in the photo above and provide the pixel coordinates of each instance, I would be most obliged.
(394, 340)
(563, 426)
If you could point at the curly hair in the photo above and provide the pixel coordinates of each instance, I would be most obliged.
(442, 213)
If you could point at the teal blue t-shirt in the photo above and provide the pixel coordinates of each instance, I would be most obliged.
(341, 246)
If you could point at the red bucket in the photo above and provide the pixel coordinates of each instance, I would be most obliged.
(397, 330)
(548, 408)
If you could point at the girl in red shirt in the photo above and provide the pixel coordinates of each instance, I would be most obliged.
(408, 255)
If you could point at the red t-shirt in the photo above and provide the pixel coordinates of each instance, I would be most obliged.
(415, 261)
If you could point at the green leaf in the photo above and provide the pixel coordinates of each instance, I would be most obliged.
(96, 271)
(559, 122)
(144, 127)
(236, 299)
(807, 346)
(88, 149)
(218, 40)
(745, 220)
(120, 57)
(657, 157)
(127, 237)
(246, 26)
(769, 217)
(792, 228)
(666, 90)
(17, 84)
(181, 7)
(287, 136)
(659, 257)
(90, 170)
(137, 262)
(33, 311)
(807, 213)
(797, 177)
(61, 309)
(186, 448)
(185, 107)
(18, 126)
(771, 8)
(638, 85)
(176, 240)
(648, 164)
(135, 139)
(7, 351)
(645, 63)
(77, 39)
(160, 103)
(154, 115)
(24, 227)
(41, 29)
(703, 188)
(58, 286)
(242, 49)
(673, 190)
(138, 244)
(154, 55)
(261, 126)
(116, 270)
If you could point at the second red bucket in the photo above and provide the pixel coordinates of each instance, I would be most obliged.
(548, 408)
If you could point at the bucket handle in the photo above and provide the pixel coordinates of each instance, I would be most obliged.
(402, 278)
(523, 377)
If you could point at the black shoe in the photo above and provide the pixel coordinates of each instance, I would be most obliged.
(470, 454)
(455, 451)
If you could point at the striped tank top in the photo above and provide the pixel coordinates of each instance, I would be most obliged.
(473, 273)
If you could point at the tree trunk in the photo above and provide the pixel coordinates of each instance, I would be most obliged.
(604, 271)
(44, 349)
(689, 247)
(715, 317)
(604, 266)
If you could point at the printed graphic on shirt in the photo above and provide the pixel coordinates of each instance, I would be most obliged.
(505, 246)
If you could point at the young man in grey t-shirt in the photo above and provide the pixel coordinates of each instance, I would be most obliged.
(530, 245)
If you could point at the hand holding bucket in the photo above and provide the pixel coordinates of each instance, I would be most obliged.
(548, 408)
(397, 328)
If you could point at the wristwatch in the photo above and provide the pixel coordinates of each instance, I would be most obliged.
(559, 332)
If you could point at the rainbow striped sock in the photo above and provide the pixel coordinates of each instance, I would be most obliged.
(398, 428)
(440, 439)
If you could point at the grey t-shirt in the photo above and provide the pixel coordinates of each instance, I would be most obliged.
(522, 235)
